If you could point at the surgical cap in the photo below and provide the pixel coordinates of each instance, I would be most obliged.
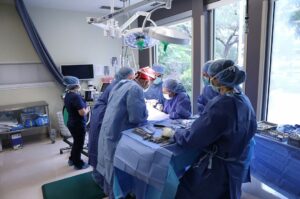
(206, 66)
(173, 86)
(227, 73)
(158, 69)
(146, 73)
(71, 82)
(124, 73)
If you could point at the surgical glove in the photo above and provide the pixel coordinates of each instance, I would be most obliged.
(152, 102)
(159, 107)
(168, 132)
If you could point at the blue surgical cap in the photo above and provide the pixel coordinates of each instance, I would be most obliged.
(173, 86)
(206, 66)
(158, 69)
(124, 73)
(227, 73)
(71, 82)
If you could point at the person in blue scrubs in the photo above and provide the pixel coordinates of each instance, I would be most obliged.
(97, 115)
(208, 93)
(155, 90)
(126, 109)
(178, 103)
(223, 135)
(77, 110)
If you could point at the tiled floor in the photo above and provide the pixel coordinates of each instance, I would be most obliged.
(24, 171)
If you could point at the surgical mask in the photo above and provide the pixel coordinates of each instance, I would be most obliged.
(206, 81)
(158, 80)
(166, 96)
(215, 88)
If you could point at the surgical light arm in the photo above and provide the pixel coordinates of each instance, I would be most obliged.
(122, 11)
(133, 18)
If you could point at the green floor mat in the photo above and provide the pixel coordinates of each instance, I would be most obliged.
(77, 187)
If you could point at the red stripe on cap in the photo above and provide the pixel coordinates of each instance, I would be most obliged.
(144, 76)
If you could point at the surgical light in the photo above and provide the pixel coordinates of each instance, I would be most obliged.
(169, 35)
(136, 38)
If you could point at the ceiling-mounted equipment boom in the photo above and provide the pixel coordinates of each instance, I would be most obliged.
(166, 3)
(144, 37)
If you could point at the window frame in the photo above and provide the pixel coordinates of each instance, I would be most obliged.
(268, 60)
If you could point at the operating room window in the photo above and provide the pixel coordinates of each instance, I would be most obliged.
(177, 59)
(284, 86)
(228, 27)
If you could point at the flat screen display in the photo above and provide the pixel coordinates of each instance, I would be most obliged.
(83, 71)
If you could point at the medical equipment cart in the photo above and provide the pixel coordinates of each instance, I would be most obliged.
(22, 114)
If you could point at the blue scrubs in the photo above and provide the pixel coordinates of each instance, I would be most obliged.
(179, 107)
(223, 135)
(207, 94)
(76, 125)
(95, 126)
(96, 122)
(126, 109)
(155, 92)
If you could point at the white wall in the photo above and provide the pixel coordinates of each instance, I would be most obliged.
(15, 46)
(71, 40)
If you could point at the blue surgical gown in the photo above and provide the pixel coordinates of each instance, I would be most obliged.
(126, 109)
(207, 94)
(179, 107)
(96, 122)
(155, 92)
(226, 126)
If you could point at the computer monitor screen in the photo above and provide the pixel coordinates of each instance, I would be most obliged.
(83, 71)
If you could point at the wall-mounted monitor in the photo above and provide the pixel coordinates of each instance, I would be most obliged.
(82, 71)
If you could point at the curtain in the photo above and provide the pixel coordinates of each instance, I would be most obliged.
(37, 42)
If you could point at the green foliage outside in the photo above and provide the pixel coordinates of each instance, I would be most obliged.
(294, 20)
(177, 59)
(227, 29)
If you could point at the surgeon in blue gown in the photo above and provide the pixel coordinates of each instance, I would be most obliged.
(126, 109)
(97, 118)
(208, 93)
(155, 90)
(177, 103)
(223, 135)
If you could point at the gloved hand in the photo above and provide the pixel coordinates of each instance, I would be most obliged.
(152, 102)
(168, 132)
(159, 107)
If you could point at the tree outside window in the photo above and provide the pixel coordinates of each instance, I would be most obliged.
(177, 59)
(228, 32)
